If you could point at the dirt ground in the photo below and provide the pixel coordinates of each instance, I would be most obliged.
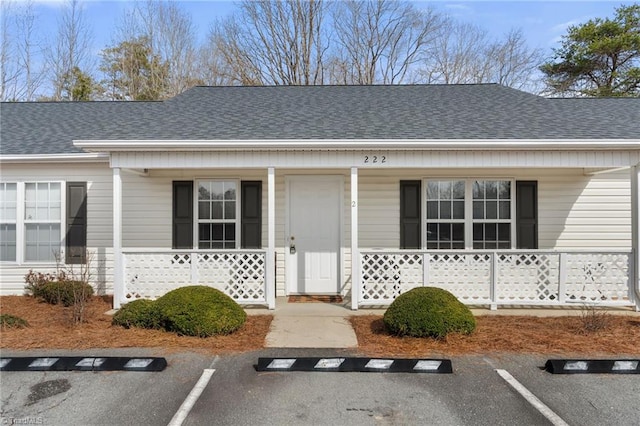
(50, 327)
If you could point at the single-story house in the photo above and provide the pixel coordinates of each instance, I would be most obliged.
(500, 196)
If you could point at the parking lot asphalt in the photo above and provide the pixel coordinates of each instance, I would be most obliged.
(236, 394)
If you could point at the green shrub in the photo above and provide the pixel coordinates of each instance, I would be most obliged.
(36, 281)
(200, 311)
(141, 313)
(428, 312)
(65, 292)
(12, 321)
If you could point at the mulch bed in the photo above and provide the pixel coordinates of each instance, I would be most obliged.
(305, 298)
(50, 327)
(510, 334)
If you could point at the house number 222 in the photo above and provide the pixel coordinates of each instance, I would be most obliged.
(375, 159)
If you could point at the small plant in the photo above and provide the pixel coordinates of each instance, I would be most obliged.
(66, 293)
(141, 313)
(593, 319)
(12, 321)
(200, 311)
(428, 312)
(35, 281)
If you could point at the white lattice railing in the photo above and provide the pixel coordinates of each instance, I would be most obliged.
(514, 277)
(150, 273)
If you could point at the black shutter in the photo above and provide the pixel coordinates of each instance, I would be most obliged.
(182, 215)
(410, 217)
(76, 237)
(527, 214)
(251, 214)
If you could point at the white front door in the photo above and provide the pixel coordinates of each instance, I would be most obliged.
(313, 234)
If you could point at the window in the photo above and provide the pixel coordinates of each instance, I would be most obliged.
(445, 214)
(217, 214)
(8, 220)
(491, 214)
(42, 218)
(468, 214)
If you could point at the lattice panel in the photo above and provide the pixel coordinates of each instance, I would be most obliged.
(527, 277)
(466, 275)
(151, 275)
(241, 275)
(384, 276)
(597, 277)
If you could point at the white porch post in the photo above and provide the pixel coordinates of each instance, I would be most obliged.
(118, 270)
(271, 239)
(635, 231)
(355, 253)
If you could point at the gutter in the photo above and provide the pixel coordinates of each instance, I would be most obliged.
(357, 144)
(98, 157)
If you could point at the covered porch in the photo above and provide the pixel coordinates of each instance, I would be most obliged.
(371, 263)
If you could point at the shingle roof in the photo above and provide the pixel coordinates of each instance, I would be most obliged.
(485, 111)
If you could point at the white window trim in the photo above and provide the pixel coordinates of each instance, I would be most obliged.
(196, 212)
(21, 222)
(468, 208)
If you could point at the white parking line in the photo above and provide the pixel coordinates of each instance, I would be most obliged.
(532, 399)
(191, 399)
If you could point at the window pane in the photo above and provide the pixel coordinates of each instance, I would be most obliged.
(230, 231)
(492, 209)
(504, 232)
(458, 190)
(216, 210)
(230, 210)
(505, 210)
(444, 232)
(445, 190)
(8, 243)
(230, 191)
(478, 190)
(432, 190)
(445, 210)
(204, 191)
(217, 232)
(458, 209)
(432, 209)
(217, 190)
(505, 190)
(204, 233)
(8, 201)
(204, 210)
(432, 231)
(490, 232)
(458, 232)
(478, 232)
(491, 188)
(478, 210)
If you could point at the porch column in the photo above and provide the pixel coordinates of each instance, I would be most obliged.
(118, 271)
(355, 253)
(271, 238)
(635, 231)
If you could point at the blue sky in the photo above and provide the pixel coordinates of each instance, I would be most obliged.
(543, 22)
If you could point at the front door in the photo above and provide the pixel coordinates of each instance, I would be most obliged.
(313, 234)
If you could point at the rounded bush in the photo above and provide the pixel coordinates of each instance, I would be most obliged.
(200, 311)
(428, 312)
(141, 313)
(66, 293)
(12, 321)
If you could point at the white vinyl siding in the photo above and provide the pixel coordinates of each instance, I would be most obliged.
(99, 217)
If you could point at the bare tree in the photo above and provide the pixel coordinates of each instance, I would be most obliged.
(465, 54)
(22, 73)
(380, 41)
(273, 42)
(70, 51)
